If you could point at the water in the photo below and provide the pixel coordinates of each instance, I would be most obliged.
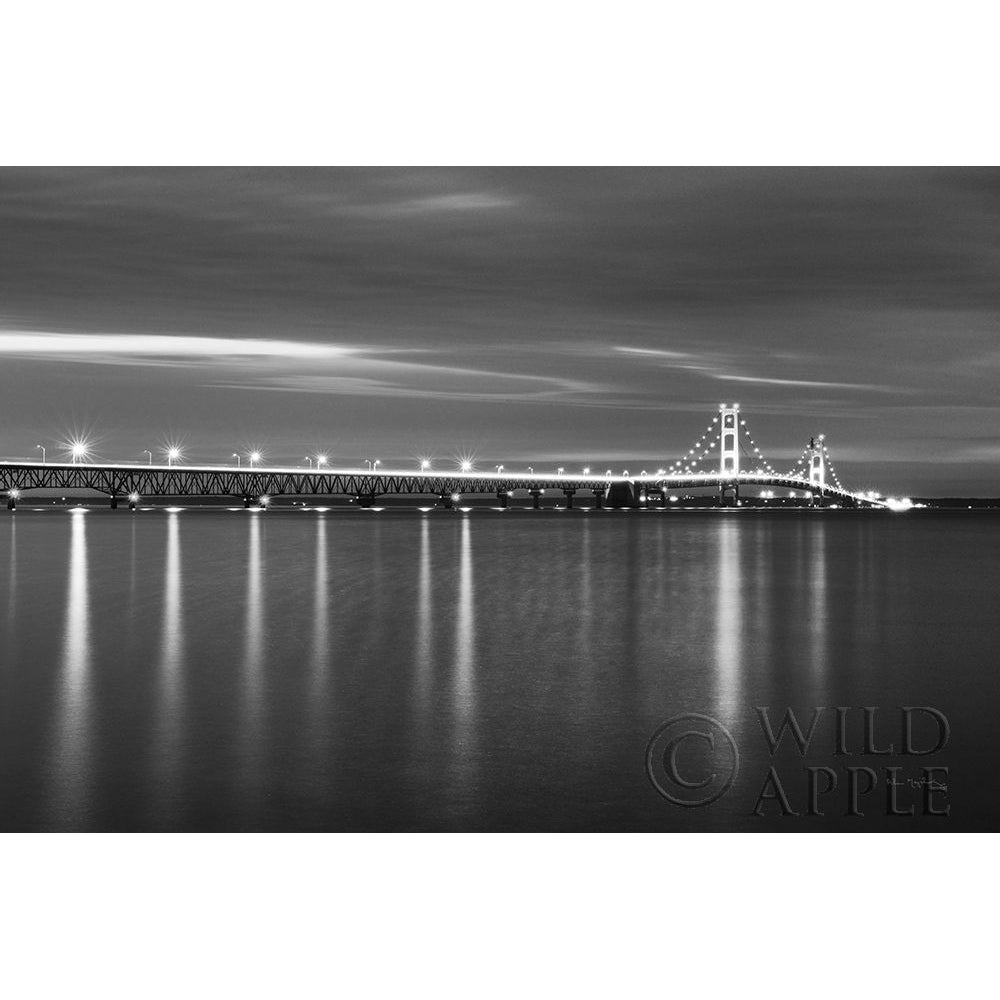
(366, 670)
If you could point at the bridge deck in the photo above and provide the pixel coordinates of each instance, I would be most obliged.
(124, 480)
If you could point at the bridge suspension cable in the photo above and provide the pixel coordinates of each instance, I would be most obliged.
(801, 468)
(831, 471)
(702, 448)
(754, 451)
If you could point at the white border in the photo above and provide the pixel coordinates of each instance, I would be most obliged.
(523, 82)
(497, 916)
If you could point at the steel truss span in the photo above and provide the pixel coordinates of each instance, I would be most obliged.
(139, 481)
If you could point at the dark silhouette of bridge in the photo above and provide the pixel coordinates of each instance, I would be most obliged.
(740, 465)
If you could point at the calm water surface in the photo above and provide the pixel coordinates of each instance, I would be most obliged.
(235, 670)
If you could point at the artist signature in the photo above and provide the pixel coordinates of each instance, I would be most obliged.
(931, 783)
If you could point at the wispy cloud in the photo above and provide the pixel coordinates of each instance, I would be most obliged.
(649, 352)
(430, 205)
(301, 366)
(94, 347)
(806, 383)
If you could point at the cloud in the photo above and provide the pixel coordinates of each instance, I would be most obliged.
(649, 352)
(477, 201)
(807, 383)
(139, 348)
(276, 365)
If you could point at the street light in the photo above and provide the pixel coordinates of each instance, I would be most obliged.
(373, 464)
(237, 457)
(43, 452)
(425, 464)
(561, 470)
(586, 470)
(310, 461)
(254, 457)
(466, 466)
(172, 455)
(499, 469)
(146, 451)
(531, 470)
(79, 450)
(320, 460)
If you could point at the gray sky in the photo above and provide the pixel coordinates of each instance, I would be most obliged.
(561, 316)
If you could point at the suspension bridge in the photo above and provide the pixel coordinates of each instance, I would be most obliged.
(725, 458)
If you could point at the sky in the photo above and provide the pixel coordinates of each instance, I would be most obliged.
(542, 316)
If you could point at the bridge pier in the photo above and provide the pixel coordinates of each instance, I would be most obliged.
(622, 495)
(536, 496)
(247, 502)
(598, 499)
(11, 503)
(725, 488)
(114, 502)
(365, 499)
(446, 502)
(569, 494)
(132, 504)
(502, 498)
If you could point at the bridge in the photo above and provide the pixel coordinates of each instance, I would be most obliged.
(726, 441)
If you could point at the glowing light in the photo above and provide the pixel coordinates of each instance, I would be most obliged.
(321, 459)
(254, 457)
(456, 497)
(79, 450)
(586, 471)
(133, 498)
(14, 494)
(466, 465)
(425, 464)
(264, 501)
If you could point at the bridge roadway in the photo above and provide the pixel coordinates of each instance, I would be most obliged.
(131, 482)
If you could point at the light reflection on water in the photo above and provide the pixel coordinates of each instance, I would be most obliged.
(71, 767)
(728, 618)
(347, 670)
(168, 731)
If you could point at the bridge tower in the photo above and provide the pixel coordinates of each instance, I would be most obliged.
(729, 440)
(817, 463)
(729, 452)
